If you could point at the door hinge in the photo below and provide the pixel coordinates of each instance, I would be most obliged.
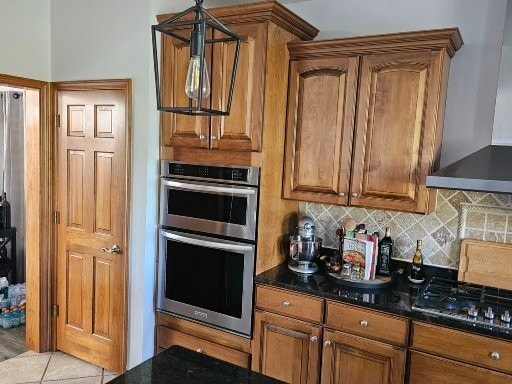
(55, 310)
(57, 121)
(56, 217)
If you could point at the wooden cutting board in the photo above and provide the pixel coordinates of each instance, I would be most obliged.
(486, 263)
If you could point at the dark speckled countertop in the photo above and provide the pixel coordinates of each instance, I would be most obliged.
(397, 299)
(182, 366)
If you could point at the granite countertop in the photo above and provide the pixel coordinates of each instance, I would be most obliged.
(182, 366)
(397, 299)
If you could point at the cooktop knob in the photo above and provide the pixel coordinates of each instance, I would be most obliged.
(473, 311)
(505, 317)
(489, 314)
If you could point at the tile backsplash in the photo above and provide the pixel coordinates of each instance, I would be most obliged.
(458, 215)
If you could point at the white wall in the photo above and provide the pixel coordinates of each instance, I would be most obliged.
(502, 131)
(474, 70)
(99, 39)
(25, 38)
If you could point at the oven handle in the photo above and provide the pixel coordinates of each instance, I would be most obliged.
(205, 243)
(208, 188)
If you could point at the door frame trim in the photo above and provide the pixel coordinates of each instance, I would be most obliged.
(124, 85)
(38, 203)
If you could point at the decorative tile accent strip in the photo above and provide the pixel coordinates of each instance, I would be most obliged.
(458, 214)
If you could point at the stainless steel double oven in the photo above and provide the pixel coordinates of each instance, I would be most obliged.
(208, 232)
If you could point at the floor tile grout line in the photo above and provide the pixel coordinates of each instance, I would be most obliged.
(47, 364)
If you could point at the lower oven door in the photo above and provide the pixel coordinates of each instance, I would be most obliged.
(206, 279)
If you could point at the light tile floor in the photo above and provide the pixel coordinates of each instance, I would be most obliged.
(51, 367)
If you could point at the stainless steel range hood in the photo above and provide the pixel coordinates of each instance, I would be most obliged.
(488, 170)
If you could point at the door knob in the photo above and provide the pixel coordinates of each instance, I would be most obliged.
(115, 249)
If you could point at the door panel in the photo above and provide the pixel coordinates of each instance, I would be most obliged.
(283, 348)
(241, 130)
(319, 131)
(389, 167)
(346, 357)
(92, 169)
(180, 130)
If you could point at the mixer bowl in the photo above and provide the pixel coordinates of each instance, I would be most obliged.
(305, 249)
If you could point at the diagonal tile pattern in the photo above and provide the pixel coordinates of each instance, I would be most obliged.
(51, 368)
(441, 231)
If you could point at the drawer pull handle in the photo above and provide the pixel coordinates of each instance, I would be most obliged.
(327, 343)
(314, 339)
(199, 350)
(363, 323)
(286, 304)
(495, 356)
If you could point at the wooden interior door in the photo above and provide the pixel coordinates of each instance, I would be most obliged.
(242, 129)
(286, 349)
(395, 133)
(319, 129)
(348, 359)
(92, 184)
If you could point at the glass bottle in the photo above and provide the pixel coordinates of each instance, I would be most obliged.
(417, 275)
(385, 254)
(5, 213)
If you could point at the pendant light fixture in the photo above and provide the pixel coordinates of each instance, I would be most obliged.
(201, 32)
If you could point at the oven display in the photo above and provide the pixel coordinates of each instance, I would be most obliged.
(209, 172)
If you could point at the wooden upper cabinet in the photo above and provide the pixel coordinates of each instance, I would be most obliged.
(180, 130)
(241, 130)
(401, 93)
(393, 146)
(319, 129)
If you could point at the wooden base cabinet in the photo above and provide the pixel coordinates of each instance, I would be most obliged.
(286, 349)
(365, 119)
(212, 342)
(348, 359)
(447, 356)
(426, 368)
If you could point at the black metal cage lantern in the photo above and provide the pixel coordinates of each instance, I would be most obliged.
(201, 34)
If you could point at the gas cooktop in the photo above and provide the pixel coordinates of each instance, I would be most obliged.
(476, 304)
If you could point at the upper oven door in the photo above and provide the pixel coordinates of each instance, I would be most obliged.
(228, 210)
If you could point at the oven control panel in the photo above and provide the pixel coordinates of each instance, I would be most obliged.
(241, 175)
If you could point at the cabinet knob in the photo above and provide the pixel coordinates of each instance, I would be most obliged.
(286, 304)
(495, 356)
(342, 194)
(363, 323)
(213, 137)
(314, 339)
(199, 350)
(355, 194)
(327, 343)
(202, 137)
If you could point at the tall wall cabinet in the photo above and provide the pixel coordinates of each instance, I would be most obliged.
(365, 118)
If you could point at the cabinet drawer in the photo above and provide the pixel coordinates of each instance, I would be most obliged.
(463, 346)
(168, 337)
(290, 304)
(369, 323)
(431, 369)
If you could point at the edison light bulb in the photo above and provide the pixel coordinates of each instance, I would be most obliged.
(192, 83)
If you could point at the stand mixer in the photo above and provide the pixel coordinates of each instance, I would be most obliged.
(304, 247)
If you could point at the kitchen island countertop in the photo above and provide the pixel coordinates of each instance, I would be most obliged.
(182, 366)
